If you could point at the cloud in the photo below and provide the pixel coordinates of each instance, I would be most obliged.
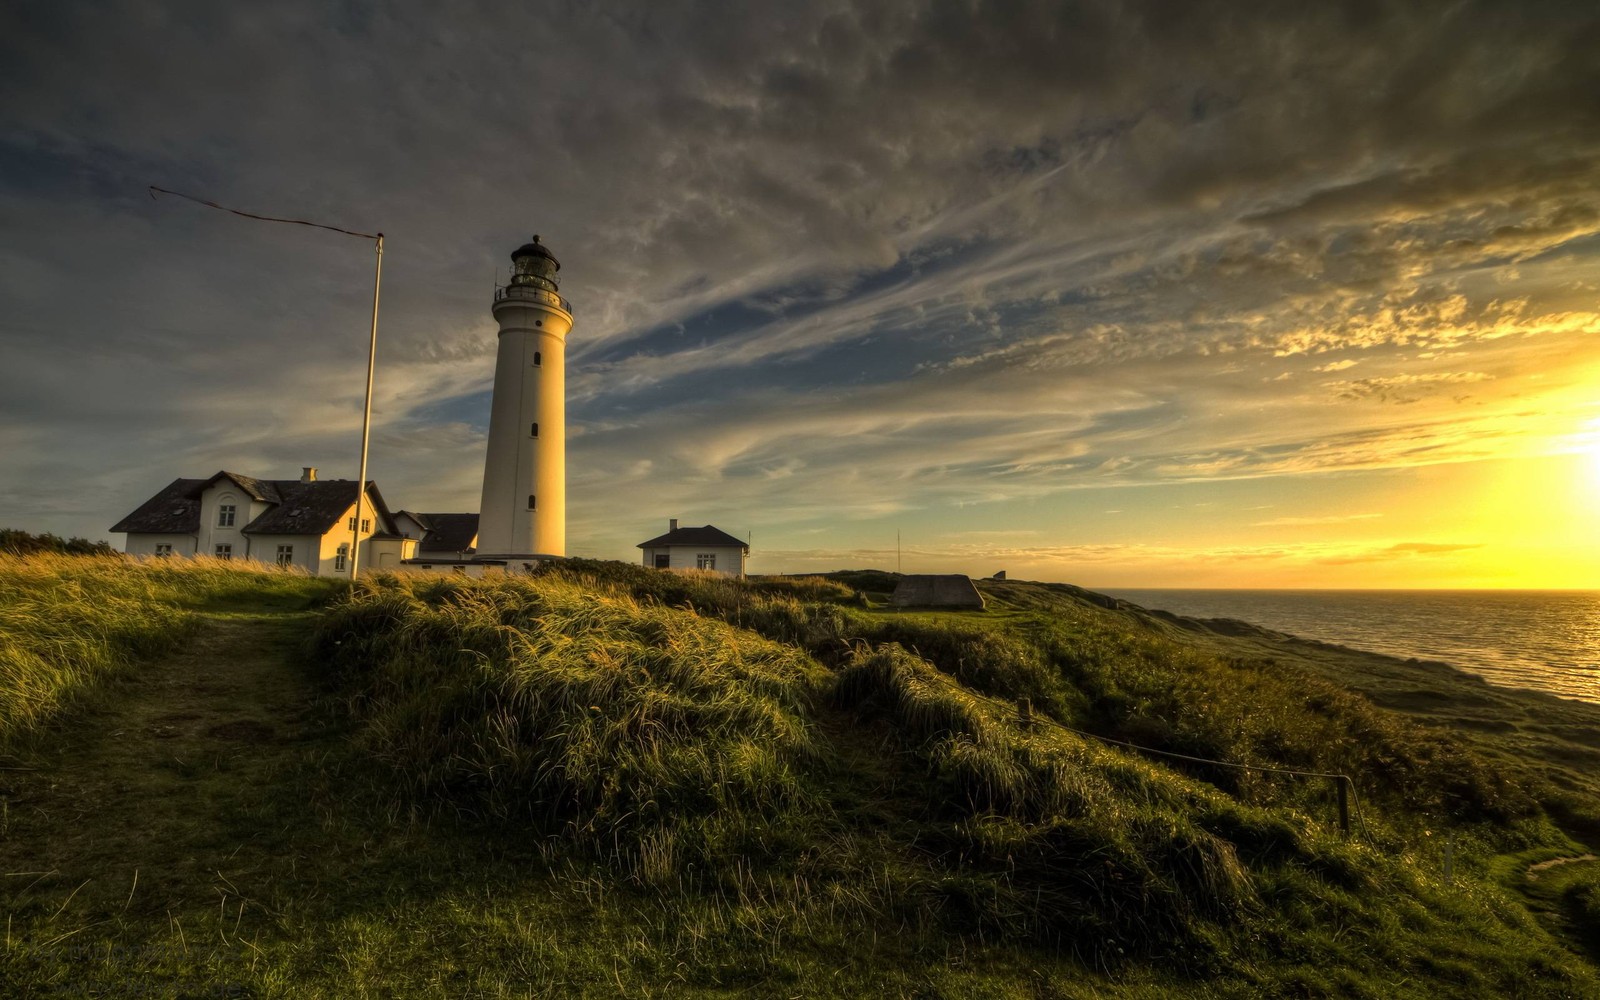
(1099, 559)
(830, 263)
(1400, 550)
(1407, 388)
(1300, 522)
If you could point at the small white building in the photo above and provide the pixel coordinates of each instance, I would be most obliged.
(303, 522)
(446, 543)
(705, 547)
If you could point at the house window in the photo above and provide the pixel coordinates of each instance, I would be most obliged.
(352, 525)
(224, 551)
(663, 560)
(531, 504)
(366, 524)
(705, 560)
(340, 557)
(535, 431)
(163, 550)
(538, 359)
(285, 555)
(225, 515)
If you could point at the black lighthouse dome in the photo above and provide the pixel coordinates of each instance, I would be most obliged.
(534, 264)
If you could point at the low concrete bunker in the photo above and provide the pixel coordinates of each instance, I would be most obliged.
(949, 590)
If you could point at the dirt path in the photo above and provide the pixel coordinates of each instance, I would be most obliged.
(177, 791)
(1534, 871)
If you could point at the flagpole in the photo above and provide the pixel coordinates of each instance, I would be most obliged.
(366, 418)
(372, 346)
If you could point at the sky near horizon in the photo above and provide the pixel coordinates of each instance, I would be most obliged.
(1123, 294)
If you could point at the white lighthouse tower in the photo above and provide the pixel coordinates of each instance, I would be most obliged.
(524, 508)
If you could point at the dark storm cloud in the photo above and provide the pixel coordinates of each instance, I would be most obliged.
(980, 248)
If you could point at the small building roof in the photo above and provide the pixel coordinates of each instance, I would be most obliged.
(446, 532)
(953, 590)
(705, 536)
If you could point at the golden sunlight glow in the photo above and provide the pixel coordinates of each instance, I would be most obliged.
(1589, 447)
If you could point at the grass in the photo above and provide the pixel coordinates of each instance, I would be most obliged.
(608, 781)
(67, 623)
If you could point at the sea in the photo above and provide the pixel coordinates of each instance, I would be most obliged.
(1545, 640)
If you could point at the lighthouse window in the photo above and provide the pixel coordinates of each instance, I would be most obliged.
(530, 502)
(535, 431)
(538, 322)
(537, 360)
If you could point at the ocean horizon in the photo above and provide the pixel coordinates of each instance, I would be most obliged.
(1544, 640)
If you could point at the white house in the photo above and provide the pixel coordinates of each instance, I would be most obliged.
(705, 547)
(303, 522)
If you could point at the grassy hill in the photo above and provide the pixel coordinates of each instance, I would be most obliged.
(607, 780)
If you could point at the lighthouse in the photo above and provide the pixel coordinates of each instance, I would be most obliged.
(524, 510)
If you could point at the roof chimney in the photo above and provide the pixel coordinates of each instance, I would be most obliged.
(672, 524)
(308, 473)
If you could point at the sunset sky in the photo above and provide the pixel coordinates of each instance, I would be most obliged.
(1188, 294)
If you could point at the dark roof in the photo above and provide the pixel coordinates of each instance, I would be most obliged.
(535, 249)
(259, 489)
(705, 535)
(953, 590)
(421, 519)
(313, 508)
(447, 532)
(298, 508)
(173, 511)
